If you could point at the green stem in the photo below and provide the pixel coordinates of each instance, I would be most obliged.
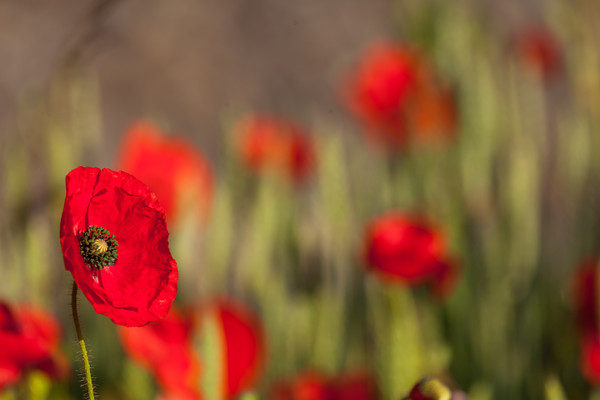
(86, 362)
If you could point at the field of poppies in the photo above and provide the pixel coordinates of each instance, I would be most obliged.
(440, 243)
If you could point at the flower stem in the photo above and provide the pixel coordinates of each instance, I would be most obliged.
(86, 362)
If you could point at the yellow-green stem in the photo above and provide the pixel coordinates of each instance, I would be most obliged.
(86, 362)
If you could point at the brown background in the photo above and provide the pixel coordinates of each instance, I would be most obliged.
(188, 63)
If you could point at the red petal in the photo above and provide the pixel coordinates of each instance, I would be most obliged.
(141, 286)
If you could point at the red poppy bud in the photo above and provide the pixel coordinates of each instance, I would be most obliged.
(267, 143)
(115, 242)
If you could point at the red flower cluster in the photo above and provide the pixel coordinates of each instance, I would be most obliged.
(312, 385)
(165, 348)
(28, 340)
(115, 242)
(403, 249)
(242, 343)
(586, 307)
(268, 143)
(180, 176)
(539, 51)
(397, 96)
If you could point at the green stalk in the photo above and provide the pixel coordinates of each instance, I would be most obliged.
(86, 361)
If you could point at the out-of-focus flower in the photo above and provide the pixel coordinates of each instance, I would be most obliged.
(586, 306)
(28, 341)
(180, 176)
(590, 356)
(179, 395)
(539, 51)
(269, 143)
(408, 250)
(585, 294)
(309, 385)
(165, 348)
(115, 242)
(242, 344)
(430, 389)
(312, 385)
(399, 99)
(433, 114)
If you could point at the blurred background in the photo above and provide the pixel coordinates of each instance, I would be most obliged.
(360, 194)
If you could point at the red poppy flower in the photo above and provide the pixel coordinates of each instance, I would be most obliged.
(590, 357)
(179, 395)
(165, 348)
(398, 98)
(539, 51)
(115, 242)
(586, 307)
(408, 250)
(242, 345)
(585, 293)
(313, 385)
(28, 340)
(430, 389)
(268, 143)
(358, 385)
(309, 385)
(180, 176)
(432, 114)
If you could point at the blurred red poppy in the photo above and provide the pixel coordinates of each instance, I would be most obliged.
(165, 348)
(539, 51)
(242, 345)
(585, 293)
(396, 95)
(358, 385)
(269, 143)
(311, 385)
(28, 340)
(179, 395)
(433, 114)
(180, 176)
(590, 357)
(115, 242)
(408, 250)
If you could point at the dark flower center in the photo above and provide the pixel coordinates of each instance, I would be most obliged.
(98, 247)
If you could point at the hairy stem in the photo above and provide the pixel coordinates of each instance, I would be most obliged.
(86, 361)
